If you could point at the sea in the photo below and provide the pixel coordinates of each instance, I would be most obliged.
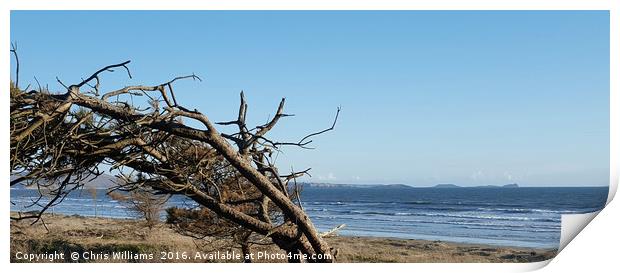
(517, 217)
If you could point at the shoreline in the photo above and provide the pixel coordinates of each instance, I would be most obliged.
(111, 235)
(474, 244)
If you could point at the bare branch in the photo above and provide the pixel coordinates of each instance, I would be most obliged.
(14, 51)
(107, 68)
(61, 83)
(301, 142)
(333, 231)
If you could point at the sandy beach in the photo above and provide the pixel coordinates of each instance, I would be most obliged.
(117, 240)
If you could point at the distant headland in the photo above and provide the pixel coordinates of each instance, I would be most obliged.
(513, 185)
(396, 186)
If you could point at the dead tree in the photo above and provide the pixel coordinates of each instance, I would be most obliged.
(59, 141)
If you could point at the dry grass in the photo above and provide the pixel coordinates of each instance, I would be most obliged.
(101, 235)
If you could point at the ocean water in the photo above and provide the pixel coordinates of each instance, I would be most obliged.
(523, 217)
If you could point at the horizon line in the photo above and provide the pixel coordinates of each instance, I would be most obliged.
(453, 184)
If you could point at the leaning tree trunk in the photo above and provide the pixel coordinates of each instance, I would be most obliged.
(214, 138)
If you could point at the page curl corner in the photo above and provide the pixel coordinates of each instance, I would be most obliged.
(572, 225)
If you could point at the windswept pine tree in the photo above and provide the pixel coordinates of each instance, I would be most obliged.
(59, 141)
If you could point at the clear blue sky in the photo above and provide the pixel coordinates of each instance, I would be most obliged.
(427, 97)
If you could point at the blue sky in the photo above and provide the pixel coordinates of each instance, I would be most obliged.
(463, 97)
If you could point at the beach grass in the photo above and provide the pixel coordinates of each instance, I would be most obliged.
(99, 236)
